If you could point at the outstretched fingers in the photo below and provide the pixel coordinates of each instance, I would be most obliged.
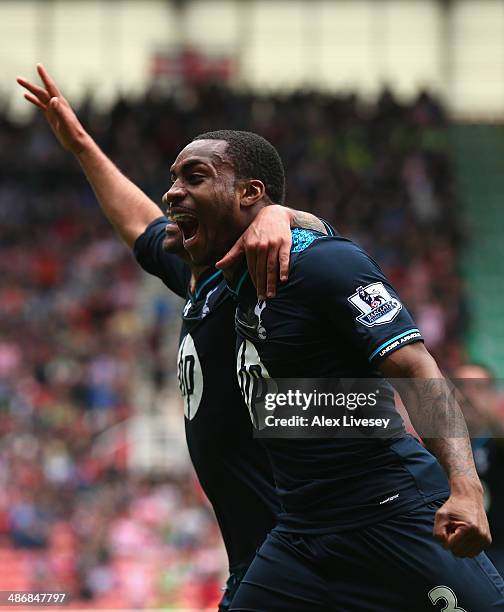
(58, 113)
(38, 92)
(52, 90)
(284, 260)
(34, 100)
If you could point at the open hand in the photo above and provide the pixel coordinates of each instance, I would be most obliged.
(58, 112)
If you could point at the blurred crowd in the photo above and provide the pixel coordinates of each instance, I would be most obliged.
(74, 337)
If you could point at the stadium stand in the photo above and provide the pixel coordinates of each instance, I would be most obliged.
(477, 154)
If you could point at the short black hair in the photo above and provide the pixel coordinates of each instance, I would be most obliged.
(253, 157)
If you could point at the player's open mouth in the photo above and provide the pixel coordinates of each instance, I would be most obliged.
(188, 224)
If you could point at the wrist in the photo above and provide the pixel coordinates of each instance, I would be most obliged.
(291, 216)
(466, 485)
(84, 145)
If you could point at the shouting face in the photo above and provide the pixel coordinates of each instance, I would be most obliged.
(205, 200)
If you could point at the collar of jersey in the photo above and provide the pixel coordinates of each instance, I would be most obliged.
(301, 239)
(239, 284)
(200, 285)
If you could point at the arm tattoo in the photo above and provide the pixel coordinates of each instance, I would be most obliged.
(306, 220)
(437, 418)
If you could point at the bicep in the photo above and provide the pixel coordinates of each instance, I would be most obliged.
(411, 361)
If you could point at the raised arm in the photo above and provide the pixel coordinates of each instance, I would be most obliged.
(127, 208)
(461, 524)
(266, 242)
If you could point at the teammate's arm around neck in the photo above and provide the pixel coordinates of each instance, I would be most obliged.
(266, 244)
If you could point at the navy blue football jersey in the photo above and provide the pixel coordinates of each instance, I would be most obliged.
(335, 318)
(232, 467)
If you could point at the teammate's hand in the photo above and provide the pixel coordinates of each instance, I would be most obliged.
(58, 112)
(266, 244)
(461, 525)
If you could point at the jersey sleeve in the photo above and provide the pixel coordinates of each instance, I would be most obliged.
(151, 256)
(351, 292)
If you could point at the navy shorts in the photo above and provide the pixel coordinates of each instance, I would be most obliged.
(395, 565)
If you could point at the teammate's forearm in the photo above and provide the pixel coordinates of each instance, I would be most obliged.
(127, 208)
(305, 220)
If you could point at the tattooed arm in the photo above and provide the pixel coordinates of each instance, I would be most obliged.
(461, 524)
(306, 220)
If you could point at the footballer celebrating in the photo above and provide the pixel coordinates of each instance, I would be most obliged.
(358, 515)
(231, 465)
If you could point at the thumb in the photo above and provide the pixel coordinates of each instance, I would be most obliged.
(458, 533)
(61, 110)
(56, 108)
(232, 256)
(440, 531)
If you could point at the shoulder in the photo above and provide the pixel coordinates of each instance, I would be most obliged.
(310, 242)
(155, 229)
(328, 256)
(150, 253)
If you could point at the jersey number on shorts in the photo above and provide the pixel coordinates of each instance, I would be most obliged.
(444, 592)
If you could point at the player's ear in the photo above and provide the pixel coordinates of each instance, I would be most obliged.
(253, 190)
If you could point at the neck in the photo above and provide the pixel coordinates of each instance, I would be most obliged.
(196, 273)
(231, 272)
